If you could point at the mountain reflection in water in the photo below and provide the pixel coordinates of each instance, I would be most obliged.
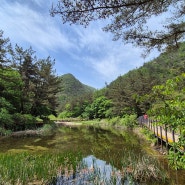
(104, 145)
(94, 171)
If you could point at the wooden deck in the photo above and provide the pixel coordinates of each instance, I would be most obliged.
(163, 133)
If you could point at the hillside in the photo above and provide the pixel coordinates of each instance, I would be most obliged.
(129, 93)
(71, 89)
(128, 90)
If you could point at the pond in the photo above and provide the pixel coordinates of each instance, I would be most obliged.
(106, 148)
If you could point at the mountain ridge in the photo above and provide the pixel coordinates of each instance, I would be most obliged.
(71, 89)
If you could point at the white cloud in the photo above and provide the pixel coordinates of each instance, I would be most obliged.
(107, 58)
(27, 25)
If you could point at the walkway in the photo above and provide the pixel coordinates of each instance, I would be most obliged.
(163, 133)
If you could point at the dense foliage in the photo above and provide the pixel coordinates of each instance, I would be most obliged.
(169, 110)
(72, 94)
(28, 87)
(129, 93)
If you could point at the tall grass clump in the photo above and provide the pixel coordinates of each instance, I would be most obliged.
(24, 168)
(142, 168)
(114, 121)
(149, 135)
(4, 132)
(128, 121)
(48, 129)
(135, 169)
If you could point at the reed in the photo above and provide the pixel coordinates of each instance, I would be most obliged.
(135, 169)
(143, 168)
(53, 168)
(24, 168)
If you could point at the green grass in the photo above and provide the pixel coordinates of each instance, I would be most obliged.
(149, 135)
(24, 168)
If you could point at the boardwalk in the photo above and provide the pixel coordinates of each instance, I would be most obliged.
(163, 133)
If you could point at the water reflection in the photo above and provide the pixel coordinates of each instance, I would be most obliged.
(94, 171)
(106, 145)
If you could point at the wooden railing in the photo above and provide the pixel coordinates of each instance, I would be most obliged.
(164, 133)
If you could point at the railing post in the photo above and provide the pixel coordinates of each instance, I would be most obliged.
(161, 137)
(166, 136)
(173, 137)
(157, 135)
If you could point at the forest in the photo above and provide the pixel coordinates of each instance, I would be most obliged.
(28, 86)
(30, 89)
(30, 92)
(131, 93)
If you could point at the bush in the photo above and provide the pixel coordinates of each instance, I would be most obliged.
(128, 120)
(24, 121)
(6, 119)
(4, 132)
(65, 114)
(114, 121)
(47, 129)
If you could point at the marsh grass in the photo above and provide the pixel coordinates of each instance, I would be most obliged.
(24, 168)
(69, 168)
(143, 168)
(149, 135)
(135, 169)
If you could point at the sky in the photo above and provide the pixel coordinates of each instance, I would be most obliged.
(88, 53)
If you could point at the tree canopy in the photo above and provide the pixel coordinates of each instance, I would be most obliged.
(128, 19)
(28, 87)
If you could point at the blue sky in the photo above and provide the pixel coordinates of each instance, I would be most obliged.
(87, 53)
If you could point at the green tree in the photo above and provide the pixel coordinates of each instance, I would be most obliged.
(46, 86)
(9, 80)
(169, 110)
(128, 19)
(100, 107)
(24, 63)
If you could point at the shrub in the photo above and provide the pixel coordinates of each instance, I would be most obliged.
(4, 132)
(6, 119)
(114, 121)
(24, 121)
(128, 120)
(65, 114)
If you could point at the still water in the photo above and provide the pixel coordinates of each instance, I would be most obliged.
(103, 146)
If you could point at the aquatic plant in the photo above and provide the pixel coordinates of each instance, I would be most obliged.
(24, 168)
(142, 167)
(134, 170)
(47, 129)
(53, 168)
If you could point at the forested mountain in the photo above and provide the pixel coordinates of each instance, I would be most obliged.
(127, 91)
(128, 94)
(72, 89)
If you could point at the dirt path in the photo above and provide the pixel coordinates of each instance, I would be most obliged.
(67, 123)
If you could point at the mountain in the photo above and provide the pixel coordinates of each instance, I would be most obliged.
(71, 89)
(128, 90)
